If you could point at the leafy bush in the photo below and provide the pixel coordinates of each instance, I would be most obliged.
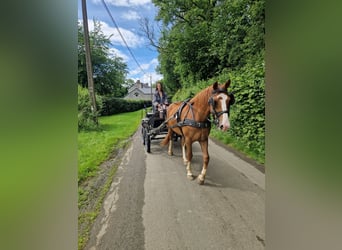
(248, 113)
(86, 118)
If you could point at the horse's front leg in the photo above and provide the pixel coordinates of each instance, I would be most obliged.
(184, 151)
(205, 154)
(187, 157)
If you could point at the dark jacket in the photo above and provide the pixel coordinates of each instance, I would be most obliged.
(159, 100)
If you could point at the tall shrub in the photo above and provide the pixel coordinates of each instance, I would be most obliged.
(85, 115)
(248, 113)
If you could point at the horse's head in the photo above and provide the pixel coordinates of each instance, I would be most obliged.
(219, 102)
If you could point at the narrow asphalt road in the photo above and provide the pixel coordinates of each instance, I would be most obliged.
(152, 205)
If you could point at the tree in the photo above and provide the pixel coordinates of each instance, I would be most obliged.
(202, 38)
(129, 83)
(109, 70)
(185, 39)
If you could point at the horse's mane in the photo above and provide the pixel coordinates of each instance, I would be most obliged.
(202, 96)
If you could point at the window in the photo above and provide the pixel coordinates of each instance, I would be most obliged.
(136, 94)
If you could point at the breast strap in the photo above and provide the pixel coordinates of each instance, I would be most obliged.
(189, 122)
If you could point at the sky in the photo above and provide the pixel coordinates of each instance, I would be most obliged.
(127, 15)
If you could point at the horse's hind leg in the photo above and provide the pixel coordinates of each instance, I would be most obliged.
(170, 150)
(205, 154)
(168, 140)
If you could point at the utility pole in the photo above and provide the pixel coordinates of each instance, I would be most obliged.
(151, 88)
(88, 61)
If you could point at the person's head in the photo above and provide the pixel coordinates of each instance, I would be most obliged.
(159, 86)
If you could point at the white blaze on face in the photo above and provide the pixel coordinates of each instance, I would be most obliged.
(225, 124)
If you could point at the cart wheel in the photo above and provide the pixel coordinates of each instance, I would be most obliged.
(147, 143)
(143, 134)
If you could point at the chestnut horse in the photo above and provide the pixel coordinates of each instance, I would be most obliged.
(191, 120)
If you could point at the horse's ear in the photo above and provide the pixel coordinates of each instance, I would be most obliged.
(226, 85)
(215, 85)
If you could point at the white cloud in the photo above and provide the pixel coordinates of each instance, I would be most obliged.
(138, 71)
(130, 15)
(125, 3)
(155, 77)
(132, 40)
(118, 53)
(149, 68)
(146, 78)
(146, 66)
(154, 61)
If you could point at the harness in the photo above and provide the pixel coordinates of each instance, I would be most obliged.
(191, 122)
(206, 123)
(188, 122)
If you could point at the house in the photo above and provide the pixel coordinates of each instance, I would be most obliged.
(139, 91)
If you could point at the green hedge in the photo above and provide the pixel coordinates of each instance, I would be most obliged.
(105, 106)
(114, 105)
(248, 113)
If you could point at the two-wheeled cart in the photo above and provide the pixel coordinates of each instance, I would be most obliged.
(153, 127)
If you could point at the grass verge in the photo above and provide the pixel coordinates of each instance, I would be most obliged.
(86, 219)
(228, 139)
(95, 146)
(98, 158)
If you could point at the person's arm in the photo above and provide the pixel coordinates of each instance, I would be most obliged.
(155, 101)
(166, 101)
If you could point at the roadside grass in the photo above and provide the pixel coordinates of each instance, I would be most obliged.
(95, 147)
(229, 140)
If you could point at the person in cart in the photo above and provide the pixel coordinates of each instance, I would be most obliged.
(160, 101)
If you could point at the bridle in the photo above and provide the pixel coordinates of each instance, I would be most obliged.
(216, 115)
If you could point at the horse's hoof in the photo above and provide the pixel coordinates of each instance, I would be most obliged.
(190, 177)
(200, 181)
(170, 153)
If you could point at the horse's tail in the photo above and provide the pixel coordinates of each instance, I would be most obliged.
(167, 138)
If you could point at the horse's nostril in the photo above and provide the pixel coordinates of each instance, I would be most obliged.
(221, 127)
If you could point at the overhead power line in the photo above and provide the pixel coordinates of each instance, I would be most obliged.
(122, 37)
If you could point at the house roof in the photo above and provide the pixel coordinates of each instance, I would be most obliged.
(146, 91)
